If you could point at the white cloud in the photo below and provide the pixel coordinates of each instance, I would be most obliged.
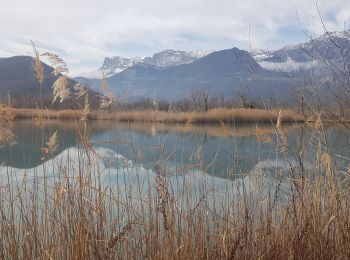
(83, 32)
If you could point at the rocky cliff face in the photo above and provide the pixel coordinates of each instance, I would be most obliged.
(114, 65)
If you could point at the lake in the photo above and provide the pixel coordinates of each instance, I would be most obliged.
(225, 151)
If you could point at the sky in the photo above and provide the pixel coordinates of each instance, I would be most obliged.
(84, 32)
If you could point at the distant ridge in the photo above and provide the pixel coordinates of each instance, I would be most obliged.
(225, 72)
(174, 75)
(167, 58)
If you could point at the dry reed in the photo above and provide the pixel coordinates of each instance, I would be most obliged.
(7, 137)
(107, 97)
(283, 142)
(38, 66)
(51, 146)
(213, 116)
(61, 91)
(79, 216)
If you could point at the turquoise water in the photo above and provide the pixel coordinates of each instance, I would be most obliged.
(128, 161)
(221, 152)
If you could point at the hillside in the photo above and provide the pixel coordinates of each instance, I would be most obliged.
(17, 78)
(227, 72)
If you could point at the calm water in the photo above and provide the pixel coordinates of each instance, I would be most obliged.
(214, 149)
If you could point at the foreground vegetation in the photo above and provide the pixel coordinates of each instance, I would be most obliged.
(80, 206)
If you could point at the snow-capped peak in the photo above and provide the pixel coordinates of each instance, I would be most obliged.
(325, 47)
(167, 58)
(170, 58)
(260, 54)
(116, 64)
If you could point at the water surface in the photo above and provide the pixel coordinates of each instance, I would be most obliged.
(224, 151)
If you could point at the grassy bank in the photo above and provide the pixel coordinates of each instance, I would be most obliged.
(212, 116)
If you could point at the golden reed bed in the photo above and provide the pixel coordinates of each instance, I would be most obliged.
(213, 116)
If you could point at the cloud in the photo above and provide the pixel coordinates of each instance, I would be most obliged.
(83, 32)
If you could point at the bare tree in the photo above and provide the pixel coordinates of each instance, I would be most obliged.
(200, 100)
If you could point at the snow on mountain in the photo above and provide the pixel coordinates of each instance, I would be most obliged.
(167, 58)
(260, 54)
(331, 46)
(116, 64)
(170, 58)
(267, 60)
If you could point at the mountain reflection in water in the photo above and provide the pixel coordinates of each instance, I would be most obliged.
(220, 150)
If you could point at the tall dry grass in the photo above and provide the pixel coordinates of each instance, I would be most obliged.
(212, 116)
(78, 208)
(39, 71)
(7, 137)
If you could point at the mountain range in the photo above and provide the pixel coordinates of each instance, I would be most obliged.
(167, 58)
(259, 73)
(172, 75)
(223, 72)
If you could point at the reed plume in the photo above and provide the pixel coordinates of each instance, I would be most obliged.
(79, 89)
(326, 160)
(104, 84)
(60, 86)
(9, 112)
(119, 237)
(60, 67)
(60, 191)
(7, 137)
(51, 146)
(105, 102)
(283, 141)
(86, 110)
(37, 65)
(40, 75)
(279, 120)
(107, 97)
(60, 89)
(163, 193)
(39, 71)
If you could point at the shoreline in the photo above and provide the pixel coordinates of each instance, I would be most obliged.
(217, 116)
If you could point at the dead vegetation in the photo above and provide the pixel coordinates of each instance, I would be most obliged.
(78, 215)
(212, 116)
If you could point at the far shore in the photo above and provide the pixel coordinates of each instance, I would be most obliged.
(238, 115)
